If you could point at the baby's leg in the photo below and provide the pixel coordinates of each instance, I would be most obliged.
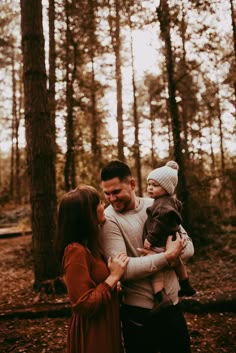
(185, 287)
(181, 270)
(157, 282)
(161, 299)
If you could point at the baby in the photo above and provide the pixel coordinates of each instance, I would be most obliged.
(164, 219)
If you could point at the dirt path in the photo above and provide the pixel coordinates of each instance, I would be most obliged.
(209, 271)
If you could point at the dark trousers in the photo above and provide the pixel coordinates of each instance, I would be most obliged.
(166, 332)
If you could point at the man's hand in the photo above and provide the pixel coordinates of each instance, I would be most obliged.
(174, 248)
(147, 244)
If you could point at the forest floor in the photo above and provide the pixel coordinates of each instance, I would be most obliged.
(212, 273)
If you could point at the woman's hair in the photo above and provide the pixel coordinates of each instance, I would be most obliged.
(77, 220)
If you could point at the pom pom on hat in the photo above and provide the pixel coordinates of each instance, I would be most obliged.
(173, 165)
(166, 176)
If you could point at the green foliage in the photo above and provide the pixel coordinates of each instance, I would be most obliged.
(204, 218)
(204, 73)
(20, 185)
(212, 203)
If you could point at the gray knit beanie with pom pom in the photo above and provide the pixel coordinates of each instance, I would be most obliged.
(166, 176)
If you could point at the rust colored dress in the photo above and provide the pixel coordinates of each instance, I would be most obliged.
(95, 322)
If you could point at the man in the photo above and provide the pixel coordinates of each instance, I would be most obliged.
(165, 332)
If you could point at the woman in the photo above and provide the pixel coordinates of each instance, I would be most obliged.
(91, 283)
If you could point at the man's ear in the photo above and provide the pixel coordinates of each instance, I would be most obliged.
(132, 183)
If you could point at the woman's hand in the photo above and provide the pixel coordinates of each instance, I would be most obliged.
(117, 266)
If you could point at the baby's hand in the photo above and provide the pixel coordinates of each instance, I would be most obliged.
(146, 244)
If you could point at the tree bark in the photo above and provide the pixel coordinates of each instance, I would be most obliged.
(40, 143)
(52, 65)
(13, 128)
(115, 38)
(164, 19)
(234, 40)
(221, 135)
(95, 121)
(69, 170)
(137, 156)
(185, 117)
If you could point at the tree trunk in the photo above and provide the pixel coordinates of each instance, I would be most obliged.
(164, 19)
(136, 119)
(52, 65)
(69, 170)
(17, 161)
(95, 121)
(22, 181)
(152, 131)
(40, 143)
(220, 132)
(13, 128)
(115, 38)
(213, 165)
(96, 146)
(185, 117)
(234, 40)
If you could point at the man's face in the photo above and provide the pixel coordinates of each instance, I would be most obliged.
(120, 194)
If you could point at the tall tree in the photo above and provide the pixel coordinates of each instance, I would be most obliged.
(95, 119)
(114, 22)
(137, 156)
(52, 65)
(234, 41)
(157, 112)
(69, 170)
(219, 116)
(163, 14)
(15, 182)
(13, 127)
(21, 172)
(40, 144)
(185, 86)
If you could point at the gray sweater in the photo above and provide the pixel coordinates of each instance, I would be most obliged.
(123, 232)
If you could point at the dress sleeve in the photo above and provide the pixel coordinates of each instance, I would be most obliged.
(114, 241)
(85, 296)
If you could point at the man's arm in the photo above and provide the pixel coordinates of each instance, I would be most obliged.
(113, 241)
(188, 250)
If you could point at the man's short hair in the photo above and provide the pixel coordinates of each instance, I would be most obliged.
(115, 169)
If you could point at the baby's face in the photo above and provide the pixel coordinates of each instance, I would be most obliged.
(154, 189)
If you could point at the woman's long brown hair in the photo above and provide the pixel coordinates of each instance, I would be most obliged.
(77, 220)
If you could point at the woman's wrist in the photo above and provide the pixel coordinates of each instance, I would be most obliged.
(112, 280)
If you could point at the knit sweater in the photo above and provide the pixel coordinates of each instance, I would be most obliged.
(124, 232)
(163, 219)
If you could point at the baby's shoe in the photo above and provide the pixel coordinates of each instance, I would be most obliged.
(185, 288)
